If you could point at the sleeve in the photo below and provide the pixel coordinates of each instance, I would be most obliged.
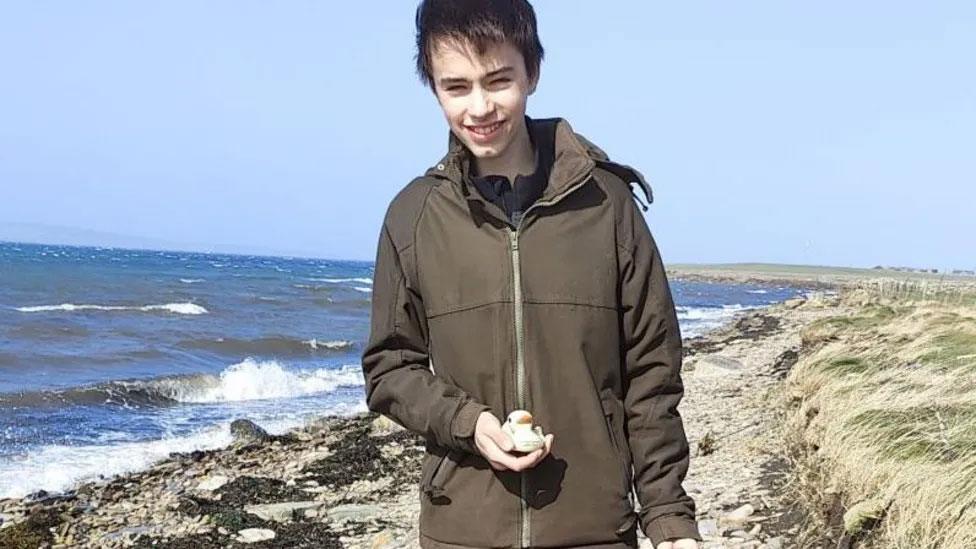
(396, 366)
(653, 388)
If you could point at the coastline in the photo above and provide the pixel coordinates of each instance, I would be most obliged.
(351, 481)
(813, 276)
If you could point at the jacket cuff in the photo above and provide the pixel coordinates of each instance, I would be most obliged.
(463, 424)
(670, 528)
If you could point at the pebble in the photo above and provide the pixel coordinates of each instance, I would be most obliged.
(254, 535)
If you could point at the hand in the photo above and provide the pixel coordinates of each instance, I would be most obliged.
(497, 447)
(683, 543)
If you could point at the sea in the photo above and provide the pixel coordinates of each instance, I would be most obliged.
(112, 358)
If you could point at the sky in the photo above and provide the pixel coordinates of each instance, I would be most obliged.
(831, 133)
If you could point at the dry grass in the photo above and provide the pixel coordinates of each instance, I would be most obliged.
(880, 419)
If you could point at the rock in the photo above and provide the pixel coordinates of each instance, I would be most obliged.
(774, 543)
(282, 512)
(354, 511)
(794, 302)
(863, 515)
(320, 425)
(717, 365)
(383, 540)
(737, 517)
(246, 431)
(213, 483)
(708, 527)
(383, 425)
(254, 535)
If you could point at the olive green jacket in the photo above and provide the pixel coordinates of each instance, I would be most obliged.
(569, 316)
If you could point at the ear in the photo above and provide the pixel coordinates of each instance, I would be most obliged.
(533, 83)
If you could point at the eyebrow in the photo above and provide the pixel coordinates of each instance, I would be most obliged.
(455, 80)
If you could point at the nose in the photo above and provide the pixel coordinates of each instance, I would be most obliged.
(480, 105)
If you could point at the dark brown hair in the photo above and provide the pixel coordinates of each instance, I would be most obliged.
(480, 23)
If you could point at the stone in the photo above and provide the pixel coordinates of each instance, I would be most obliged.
(863, 514)
(708, 527)
(382, 540)
(254, 535)
(246, 431)
(383, 425)
(354, 511)
(212, 483)
(281, 512)
(794, 302)
(717, 366)
(737, 517)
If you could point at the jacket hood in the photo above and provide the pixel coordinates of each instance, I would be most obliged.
(574, 157)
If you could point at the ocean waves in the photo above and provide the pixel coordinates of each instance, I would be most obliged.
(175, 308)
(695, 321)
(267, 346)
(247, 380)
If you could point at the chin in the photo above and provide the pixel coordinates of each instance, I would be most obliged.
(487, 151)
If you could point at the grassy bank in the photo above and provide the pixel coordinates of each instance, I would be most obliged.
(879, 419)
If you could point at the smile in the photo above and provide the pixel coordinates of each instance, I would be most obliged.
(484, 133)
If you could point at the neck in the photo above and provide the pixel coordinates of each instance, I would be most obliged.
(518, 158)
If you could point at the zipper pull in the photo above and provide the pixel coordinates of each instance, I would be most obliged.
(513, 238)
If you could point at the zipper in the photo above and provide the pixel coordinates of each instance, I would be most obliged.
(524, 524)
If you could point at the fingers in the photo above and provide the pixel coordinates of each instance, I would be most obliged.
(505, 459)
(541, 453)
(531, 459)
(501, 460)
(497, 447)
(501, 440)
(665, 545)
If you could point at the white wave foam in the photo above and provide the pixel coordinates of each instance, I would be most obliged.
(708, 313)
(191, 280)
(255, 380)
(56, 468)
(178, 308)
(339, 280)
(335, 344)
(362, 289)
(696, 321)
(757, 291)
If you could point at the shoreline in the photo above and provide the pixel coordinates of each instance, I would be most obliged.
(819, 277)
(338, 481)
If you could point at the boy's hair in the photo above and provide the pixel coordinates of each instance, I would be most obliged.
(480, 23)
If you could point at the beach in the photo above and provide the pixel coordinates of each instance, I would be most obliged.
(352, 481)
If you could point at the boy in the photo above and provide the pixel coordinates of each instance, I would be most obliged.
(520, 270)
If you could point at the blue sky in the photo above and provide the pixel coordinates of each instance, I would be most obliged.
(838, 133)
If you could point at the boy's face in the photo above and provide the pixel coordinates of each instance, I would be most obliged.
(483, 97)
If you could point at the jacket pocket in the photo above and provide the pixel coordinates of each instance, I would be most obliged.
(618, 448)
(434, 473)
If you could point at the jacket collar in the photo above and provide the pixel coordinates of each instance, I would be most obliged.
(574, 158)
(570, 159)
